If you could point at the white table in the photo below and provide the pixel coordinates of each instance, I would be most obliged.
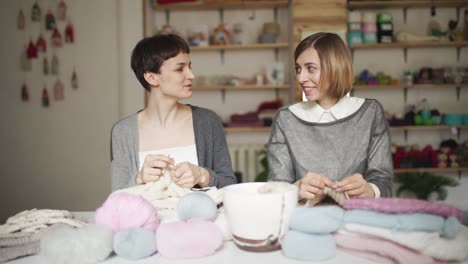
(228, 254)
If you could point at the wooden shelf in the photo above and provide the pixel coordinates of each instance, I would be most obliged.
(402, 86)
(247, 129)
(241, 87)
(241, 47)
(421, 170)
(382, 4)
(215, 6)
(427, 127)
(410, 44)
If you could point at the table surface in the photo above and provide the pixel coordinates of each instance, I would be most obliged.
(228, 254)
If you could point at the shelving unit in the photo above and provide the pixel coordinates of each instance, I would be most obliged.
(241, 87)
(200, 6)
(242, 47)
(247, 129)
(431, 46)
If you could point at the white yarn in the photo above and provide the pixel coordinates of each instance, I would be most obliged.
(89, 244)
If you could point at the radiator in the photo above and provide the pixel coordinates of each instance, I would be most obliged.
(246, 160)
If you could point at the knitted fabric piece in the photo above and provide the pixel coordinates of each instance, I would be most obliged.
(185, 240)
(338, 197)
(403, 222)
(135, 243)
(404, 205)
(308, 247)
(378, 246)
(431, 244)
(33, 220)
(13, 252)
(321, 219)
(196, 205)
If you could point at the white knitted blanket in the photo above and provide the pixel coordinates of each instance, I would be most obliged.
(34, 220)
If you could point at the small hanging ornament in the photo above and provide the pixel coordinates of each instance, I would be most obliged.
(69, 33)
(74, 80)
(62, 10)
(36, 13)
(24, 93)
(50, 21)
(45, 66)
(41, 44)
(55, 65)
(59, 91)
(20, 20)
(45, 97)
(32, 50)
(26, 64)
(56, 38)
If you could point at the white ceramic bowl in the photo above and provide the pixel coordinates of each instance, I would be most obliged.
(258, 221)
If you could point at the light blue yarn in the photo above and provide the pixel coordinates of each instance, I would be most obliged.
(318, 219)
(135, 243)
(309, 247)
(196, 205)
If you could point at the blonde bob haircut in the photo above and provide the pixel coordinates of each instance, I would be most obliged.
(336, 67)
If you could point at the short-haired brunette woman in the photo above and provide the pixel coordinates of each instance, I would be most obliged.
(332, 140)
(167, 134)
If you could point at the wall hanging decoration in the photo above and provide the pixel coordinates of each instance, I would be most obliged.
(45, 66)
(20, 20)
(50, 21)
(45, 97)
(32, 50)
(58, 91)
(41, 44)
(69, 33)
(26, 64)
(36, 12)
(74, 80)
(62, 10)
(24, 93)
(55, 65)
(56, 38)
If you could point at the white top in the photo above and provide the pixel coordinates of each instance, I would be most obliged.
(179, 154)
(310, 111)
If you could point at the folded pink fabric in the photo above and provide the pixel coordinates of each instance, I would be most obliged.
(386, 248)
(195, 238)
(404, 205)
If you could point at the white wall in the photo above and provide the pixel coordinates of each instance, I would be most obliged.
(58, 157)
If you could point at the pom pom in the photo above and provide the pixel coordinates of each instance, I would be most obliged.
(123, 210)
(135, 243)
(192, 239)
(89, 244)
(196, 205)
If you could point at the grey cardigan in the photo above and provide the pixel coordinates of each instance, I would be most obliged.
(212, 150)
(359, 143)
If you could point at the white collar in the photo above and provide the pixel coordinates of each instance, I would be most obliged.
(312, 112)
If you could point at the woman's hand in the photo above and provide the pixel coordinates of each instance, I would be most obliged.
(153, 168)
(312, 185)
(185, 174)
(356, 187)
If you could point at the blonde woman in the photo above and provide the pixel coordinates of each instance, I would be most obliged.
(332, 140)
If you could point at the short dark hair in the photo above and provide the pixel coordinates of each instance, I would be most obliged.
(150, 53)
(335, 62)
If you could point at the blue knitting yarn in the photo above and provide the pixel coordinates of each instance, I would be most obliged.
(135, 243)
(309, 247)
(451, 227)
(196, 205)
(319, 219)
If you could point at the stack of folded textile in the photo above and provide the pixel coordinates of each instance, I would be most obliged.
(21, 234)
(246, 119)
(393, 230)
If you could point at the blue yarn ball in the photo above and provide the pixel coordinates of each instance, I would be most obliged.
(135, 243)
(196, 205)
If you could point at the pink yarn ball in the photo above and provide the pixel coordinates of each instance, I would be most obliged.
(123, 210)
(194, 238)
